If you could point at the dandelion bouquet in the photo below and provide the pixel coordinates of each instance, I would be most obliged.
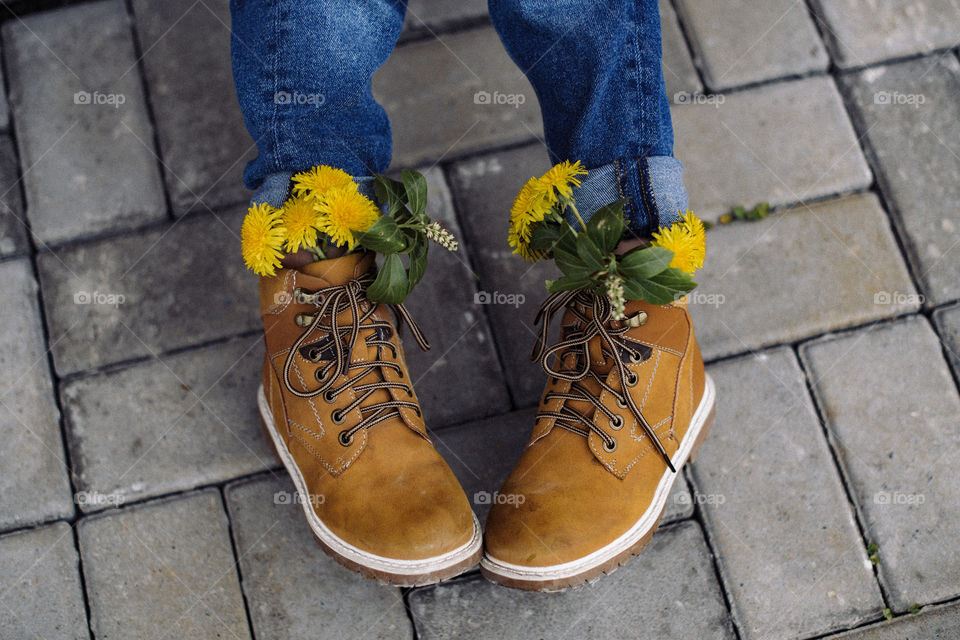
(658, 271)
(326, 207)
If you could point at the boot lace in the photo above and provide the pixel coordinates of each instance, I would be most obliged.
(576, 339)
(334, 350)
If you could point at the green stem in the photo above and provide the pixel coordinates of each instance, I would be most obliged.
(573, 207)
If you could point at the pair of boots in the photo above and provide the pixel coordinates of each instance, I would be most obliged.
(626, 405)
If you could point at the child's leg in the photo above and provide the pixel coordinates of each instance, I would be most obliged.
(302, 69)
(596, 69)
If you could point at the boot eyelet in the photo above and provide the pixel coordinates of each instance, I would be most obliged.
(319, 376)
(400, 373)
(313, 354)
(616, 423)
(304, 319)
(409, 392)
(345, 438)
(632, 379)
(611, 446)
(329, 397)
(636, 357)
(621, 403)
(337, 417)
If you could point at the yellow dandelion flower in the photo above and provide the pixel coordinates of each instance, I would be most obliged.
(695, 226)
(300, 219)
(316, 182)
(344, 210)
(560, 179)
(261, 239)
(688, 250)
(529, 207)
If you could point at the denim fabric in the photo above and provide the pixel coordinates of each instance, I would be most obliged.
(303, 70)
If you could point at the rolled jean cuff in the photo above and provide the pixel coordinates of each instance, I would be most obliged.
(652, 187)
(275, 189)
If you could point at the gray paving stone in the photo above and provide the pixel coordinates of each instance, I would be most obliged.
(798, 273)
(4, 106)
(459, 378)
(668, 591)
(914, 146)
(748, 41)
(165, 565)
(932, 623)
(203, 141)
(863, 31)
(293, 588)
(678, 71)
(787, 545)
(512, 290)
(86, 143)
(34, 486)
(948, 326)
(450, 115)
(180, 286)
(482, 454)
(13, 229)
(891, 408)
(427, 17)
(40, 592)
(782, 143)
(167, 425)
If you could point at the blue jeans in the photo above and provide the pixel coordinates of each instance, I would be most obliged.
(303, 69)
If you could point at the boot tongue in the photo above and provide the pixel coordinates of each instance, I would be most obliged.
(334, 271)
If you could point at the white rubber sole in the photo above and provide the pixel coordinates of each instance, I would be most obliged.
(392, 570)
(560, 576)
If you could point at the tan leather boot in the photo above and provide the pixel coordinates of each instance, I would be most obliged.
(338, 406)
(627, 403)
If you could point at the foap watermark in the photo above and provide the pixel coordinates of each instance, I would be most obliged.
(512, 99)
(485, 497)
(701, 498)
(285, 497)
(497, 297)
(706, 299)
(898, 498)
(97, 499)
(685, 97)
(98, 98)
(315, 99)
(897, 297)
(282, 298)
(99, 298)
(896, 98)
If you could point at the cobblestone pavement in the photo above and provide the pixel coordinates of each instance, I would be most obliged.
(139, 499)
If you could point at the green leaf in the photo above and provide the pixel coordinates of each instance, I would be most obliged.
(390, 192)
(589, 252)
(663, 288)
(675, 279)
(568, 238)
(914, 608)
(390, 287)
(641, 264)
(739, 212)
(606, 226)
(888, 614)
(566, 283)
(545, 236)
(570, 264)
(383, 236)
(416, 187)
(418, 263)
